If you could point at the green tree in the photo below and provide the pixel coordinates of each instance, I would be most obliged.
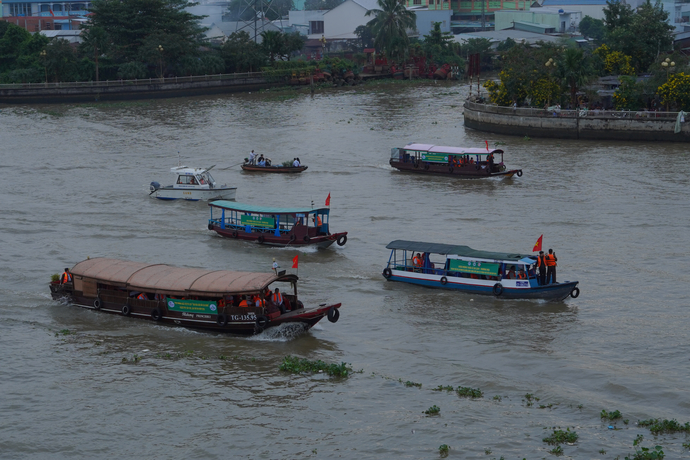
(366, 36)
(95, 41)
(11, 43)
(642, 35)
(628, 96)
(481, 46)
(593, 28)
(294, 42)
(675, 93)
(61, 61)
(242, 54)
(574, 70)
(390, 25)
(130, 24)
(273, 44)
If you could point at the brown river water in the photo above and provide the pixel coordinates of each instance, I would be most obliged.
(76, 179)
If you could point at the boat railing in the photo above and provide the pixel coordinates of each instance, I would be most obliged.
(439, 272)
(566, 113)
(228, 225)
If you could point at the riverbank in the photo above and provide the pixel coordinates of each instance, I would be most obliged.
(575, 124)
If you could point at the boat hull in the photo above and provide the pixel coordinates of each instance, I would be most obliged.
(443, 169)
(509, 289)
(235, 320)
(170, 193)
(286, 239)
(274, 169)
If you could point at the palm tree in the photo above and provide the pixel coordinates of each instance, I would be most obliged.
(95, 40)
(575, 71)
(390, 25)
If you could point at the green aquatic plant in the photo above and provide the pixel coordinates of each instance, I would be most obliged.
(487, 451)
(645, 453)
(411, 384)
(558, 450)
(299, 365)
(614, 415)
(443, 388)
(433, 410)
(561, 437)
(443, 450)
(467, 392)
(657, 426)
(54, 278)
(545, 406)
(497, 398)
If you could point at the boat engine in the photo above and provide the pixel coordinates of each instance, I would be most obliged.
(154, 186)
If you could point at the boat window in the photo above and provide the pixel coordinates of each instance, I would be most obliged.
(209, 177)
(201, 179)
(186, 180)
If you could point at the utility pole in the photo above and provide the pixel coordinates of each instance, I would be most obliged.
(483, 17)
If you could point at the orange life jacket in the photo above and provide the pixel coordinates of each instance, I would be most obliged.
(522, 276)
(278, 298)
(550, 260)
(244, 303)
(221, 303)
(159, 297)
(417, 261)
(142, 296)
(66, 278)
(318, 221)
(541, 261)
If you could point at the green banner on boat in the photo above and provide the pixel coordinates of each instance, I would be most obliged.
(473, 266)
(255, 221)
(192, 306)
(436, 157)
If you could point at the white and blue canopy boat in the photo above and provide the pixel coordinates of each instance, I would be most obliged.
(508, 275)
(192, 184)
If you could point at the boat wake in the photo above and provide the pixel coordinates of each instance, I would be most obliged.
(282, 333)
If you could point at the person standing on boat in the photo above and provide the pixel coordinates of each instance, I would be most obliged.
(66, 277)
(252, 156)
(275, 266)
(551, 260)
(541, 264)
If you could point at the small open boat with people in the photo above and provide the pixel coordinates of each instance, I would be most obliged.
(447, 266)
(192, 184)
(274, 226)
(277, 169)
(220, 300)
(452, 161)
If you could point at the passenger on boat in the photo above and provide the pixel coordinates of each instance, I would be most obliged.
(142, 296)
(417, 261)
(296, 163)
(511, 273)
(278, 300)
(522, 275)
(551, 260)
(261, 161)
(275, 266)
(244, 303)
(252, 157)
(490, 161)
(66, 277)
(258, 301)
(541, 265)
(192, 181)
(268, 162)
(158, 297)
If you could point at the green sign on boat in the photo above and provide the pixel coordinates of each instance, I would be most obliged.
(437, 157)
(192, 306)
(256, 221)
(473, 266)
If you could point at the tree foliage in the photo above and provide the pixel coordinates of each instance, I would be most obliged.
(389, 27)
(592, 28)
(641, 34)
(675, 93)
(242, 54)
(575, 70)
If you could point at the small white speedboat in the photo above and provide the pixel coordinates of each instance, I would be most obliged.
(192, 184)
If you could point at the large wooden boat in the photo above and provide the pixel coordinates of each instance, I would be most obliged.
(190, 297)
(192, 184)
(447, 266)
(277, 169)
(274, 226)
(451, 161)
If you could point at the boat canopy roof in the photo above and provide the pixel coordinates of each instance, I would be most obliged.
(462, 251)
(451, 150)
(241, 207)
(184, 170)
(167, 279)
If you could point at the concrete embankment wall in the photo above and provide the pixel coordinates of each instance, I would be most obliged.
(133, 89)
(570, 124)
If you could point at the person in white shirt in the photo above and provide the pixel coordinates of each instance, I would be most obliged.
(296, 163)
(252, 156)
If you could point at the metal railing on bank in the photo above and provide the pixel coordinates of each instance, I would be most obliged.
(236, 78)
(552, 112)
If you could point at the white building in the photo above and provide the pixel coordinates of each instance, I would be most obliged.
(340, 22)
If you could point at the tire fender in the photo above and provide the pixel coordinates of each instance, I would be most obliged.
(126, 310)
(444, 280)
(261, 239)
(575, 293)
(222, 319)
(234, 234)
(519, 173)
(387, 273)
(306, 238)
(342, 239)
(333, 315)
(156, 314)
(97, 304)
(210, 226)
(498, 289)
(262, 322)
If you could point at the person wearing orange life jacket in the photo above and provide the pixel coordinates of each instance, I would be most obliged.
(417, 261)
(142, 296)
(541, 265)
(258, 301)
(158, 297)
(551, 260)
(244, 303)
(522, 275)
(66, 277)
